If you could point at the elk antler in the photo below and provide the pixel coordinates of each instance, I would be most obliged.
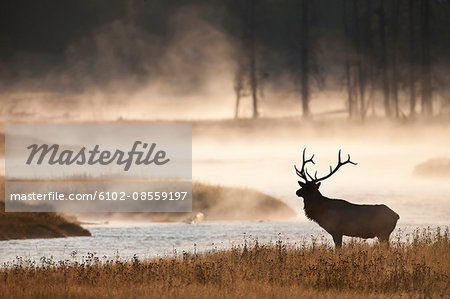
(332, 171)
(303, 173)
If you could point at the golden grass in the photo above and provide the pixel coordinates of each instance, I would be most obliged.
(418, 268)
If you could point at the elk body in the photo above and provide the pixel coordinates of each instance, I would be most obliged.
(339, 217)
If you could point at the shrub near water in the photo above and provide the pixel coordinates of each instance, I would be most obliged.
(419, 267)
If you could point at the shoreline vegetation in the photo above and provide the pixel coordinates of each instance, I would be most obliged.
(37, 225)
(15, 226)
(417, 267)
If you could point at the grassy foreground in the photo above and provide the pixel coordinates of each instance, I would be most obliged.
(418, 268)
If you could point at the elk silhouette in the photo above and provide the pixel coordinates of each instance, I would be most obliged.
(339, 217)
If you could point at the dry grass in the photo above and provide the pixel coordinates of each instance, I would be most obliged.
(418, 268)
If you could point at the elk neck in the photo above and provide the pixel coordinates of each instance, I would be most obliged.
(314, 205)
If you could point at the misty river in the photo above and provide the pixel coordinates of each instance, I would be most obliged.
(149, 240)
(384, 174)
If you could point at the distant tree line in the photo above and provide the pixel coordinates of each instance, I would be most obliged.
(380, 56)
(387, 50)
(391, 55)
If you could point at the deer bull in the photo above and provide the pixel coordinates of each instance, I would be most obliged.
(339, 217)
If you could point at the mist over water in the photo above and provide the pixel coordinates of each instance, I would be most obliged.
(126, 69)
(387, 155)
(260, 154)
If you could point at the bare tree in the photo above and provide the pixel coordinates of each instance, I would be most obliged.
(304, 57)
(359, 65)
(395, 34)
(246, 75)
(348, 62)
(383, 62)
(369, 54)
(239, 86)
(360, 60)
(252, 56)
(427, 108)
(412, 89)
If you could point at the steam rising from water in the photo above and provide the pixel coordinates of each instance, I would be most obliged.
(120, 72)
(123, 71)
(387, 154)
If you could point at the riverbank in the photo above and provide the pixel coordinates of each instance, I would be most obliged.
(36, 225)
(212, 202)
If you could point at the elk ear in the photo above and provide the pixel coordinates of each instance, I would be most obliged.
(301, 184)
(318, 185)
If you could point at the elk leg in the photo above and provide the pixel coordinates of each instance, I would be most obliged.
(337, 238)
(384, 238)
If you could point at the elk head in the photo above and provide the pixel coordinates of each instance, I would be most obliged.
(310, 184)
